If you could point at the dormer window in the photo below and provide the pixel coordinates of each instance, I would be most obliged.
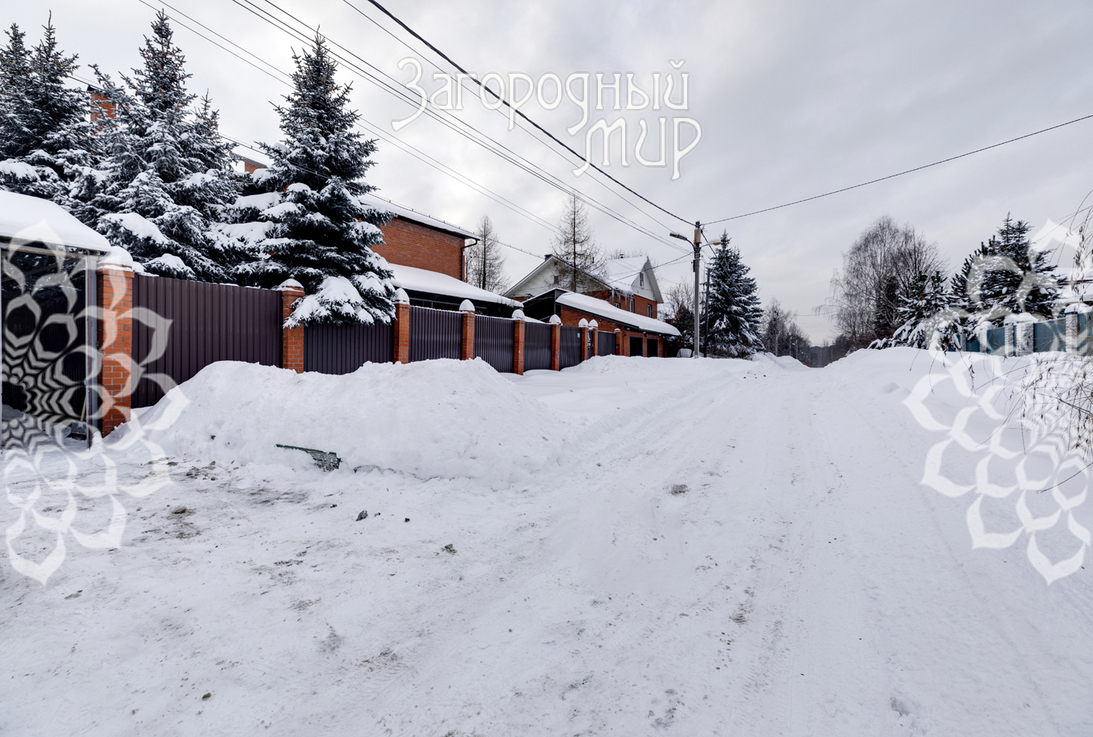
(648, 310)
(641, 278)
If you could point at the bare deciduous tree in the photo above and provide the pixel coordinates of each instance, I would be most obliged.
(883, 261)
(485, 261)
(574, 248)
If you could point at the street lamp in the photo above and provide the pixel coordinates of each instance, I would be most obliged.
(698, 253)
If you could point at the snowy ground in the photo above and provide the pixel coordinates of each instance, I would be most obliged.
(629, 547)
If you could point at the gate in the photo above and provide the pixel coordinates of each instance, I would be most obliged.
(605, 344)
(570, 347)
(47, 358)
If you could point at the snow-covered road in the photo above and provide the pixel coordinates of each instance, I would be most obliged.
(626, 548)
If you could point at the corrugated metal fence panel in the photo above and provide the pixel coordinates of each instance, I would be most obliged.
(1085, 339)
(495, 341)
(1049, 336)
(342, 349)
(435, 334)
(201, 324)
(996, 340)
(570, 347)
(606, 344)
(536, 346)
(972, 345)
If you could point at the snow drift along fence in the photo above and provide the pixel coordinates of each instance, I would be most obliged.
(605, 343)
(435, 334)
(495, 342)
(536, 346)
(570, 346)
(342, 349)
(196, 324)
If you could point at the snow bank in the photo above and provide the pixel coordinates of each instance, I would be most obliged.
(430, 419)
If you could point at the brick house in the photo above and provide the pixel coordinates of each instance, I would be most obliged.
(622, 294)
(629, 284)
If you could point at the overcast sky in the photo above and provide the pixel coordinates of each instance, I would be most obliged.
(793, 99)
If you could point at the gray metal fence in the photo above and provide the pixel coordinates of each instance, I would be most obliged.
(536, 346)
(570, 348)
(996, 341)
(342, 349)
(435, 334)
(605, 344)
(494, 341)
(193, 324)
(652, 347)
(1049, 336)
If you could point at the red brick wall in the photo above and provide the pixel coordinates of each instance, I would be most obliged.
(640, 303)
(410, 244)
(116, 342)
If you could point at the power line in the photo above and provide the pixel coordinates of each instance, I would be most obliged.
(902, 173)
(505, 102)
(450, 121)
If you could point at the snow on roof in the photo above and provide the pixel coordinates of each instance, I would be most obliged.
(371, 200)
(35, 219)
(599, 307)
(620, 273)
(422, 280)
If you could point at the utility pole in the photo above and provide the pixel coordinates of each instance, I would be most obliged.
(697, 262)
(706, 308)
(695, 267)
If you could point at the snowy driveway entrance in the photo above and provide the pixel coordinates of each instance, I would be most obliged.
(625, 548)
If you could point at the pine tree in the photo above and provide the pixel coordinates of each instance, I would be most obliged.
(577, 254)
(733, 313)
(485, 262)
(308, 223)
(168, 173)
(16, 134)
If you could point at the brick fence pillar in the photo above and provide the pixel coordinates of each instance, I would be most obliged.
(467, 308)
(1010, 333)
(619, 351)
(593, 339)
(583, 325)
(292, 339)
(1024, 341)
(555, 343)
(645, 345)
(520, 330)
(116, 342)
(402, 327)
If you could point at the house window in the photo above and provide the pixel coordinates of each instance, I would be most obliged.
(616, 305)
(631, 304)
(649, 310)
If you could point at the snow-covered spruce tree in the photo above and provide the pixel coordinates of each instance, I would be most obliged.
(734, 315)
(309, 224)
(44, 136)
(923, 312)
(167, 172)
(1003, 276)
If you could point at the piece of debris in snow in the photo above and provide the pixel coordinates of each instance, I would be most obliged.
(678, 489)
(449, 549)
(362, 515)
(324, 460)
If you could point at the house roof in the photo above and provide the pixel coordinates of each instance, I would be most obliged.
(602, 308)
(400, 211)
(35, 219)
(618, 274)
(433, 282)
